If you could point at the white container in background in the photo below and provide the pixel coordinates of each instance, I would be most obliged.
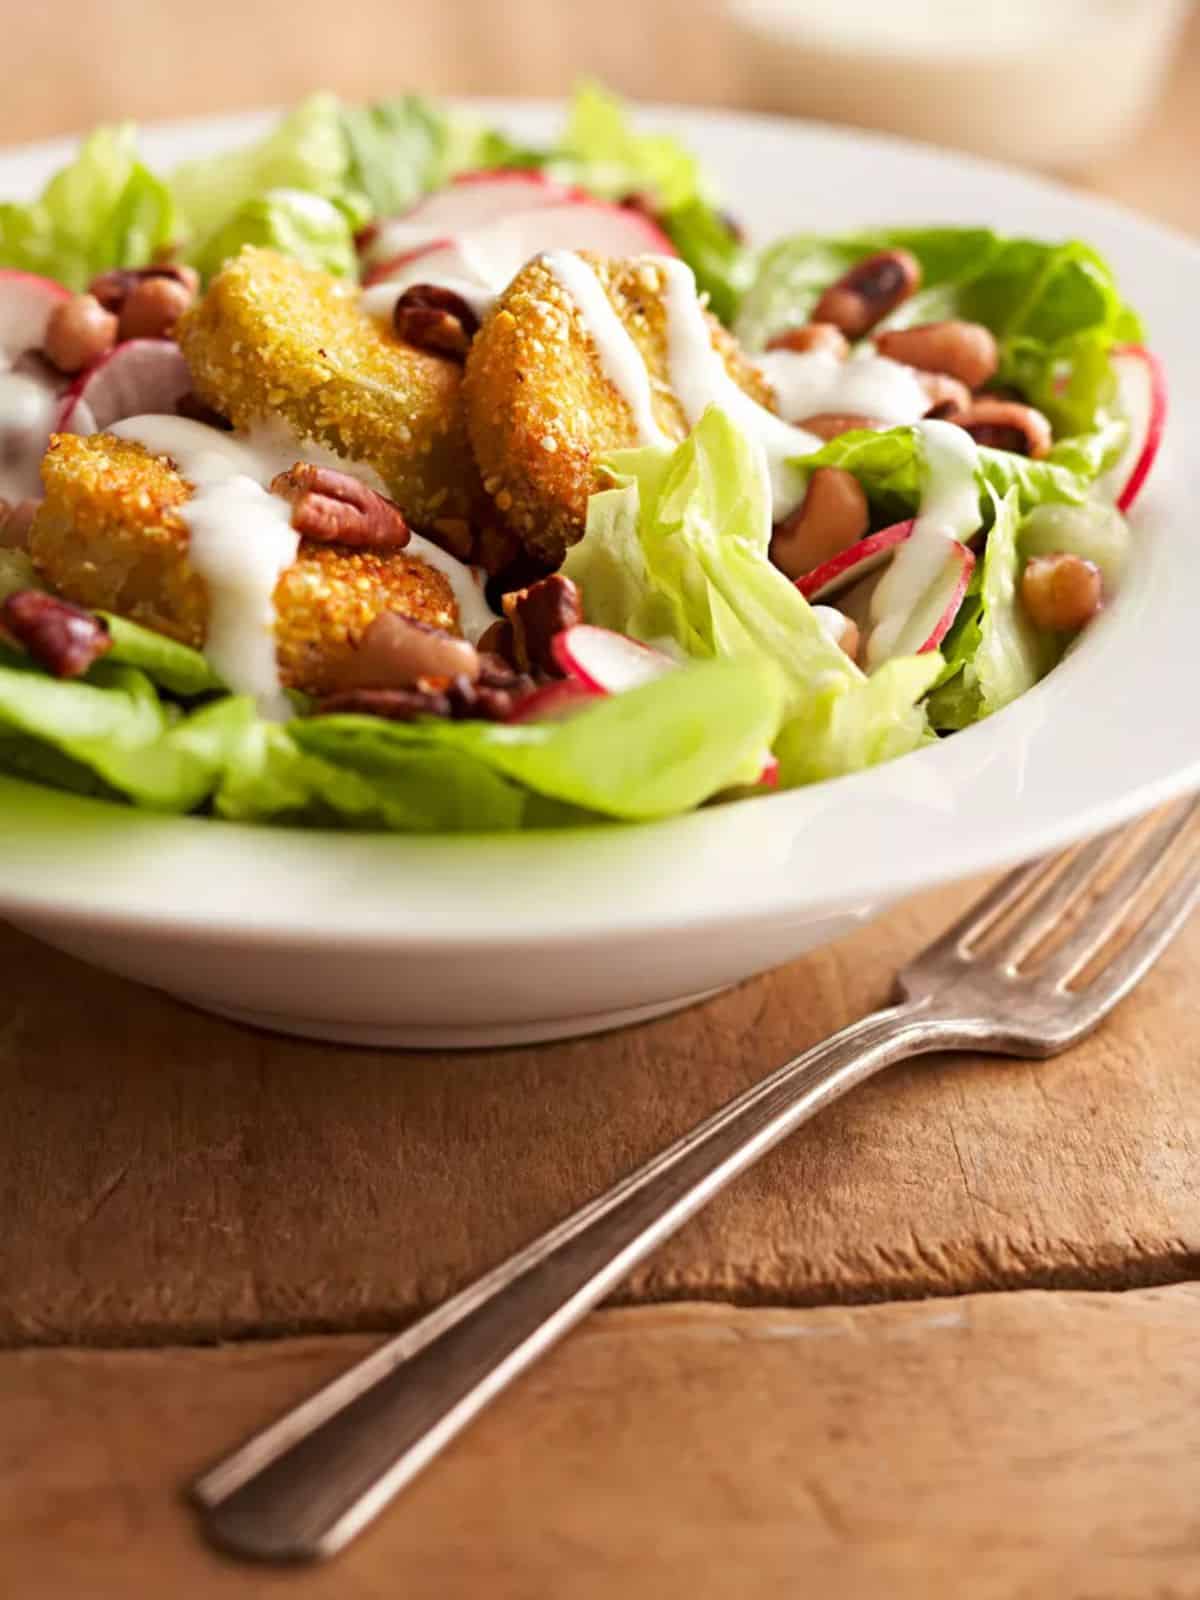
(1055, 83)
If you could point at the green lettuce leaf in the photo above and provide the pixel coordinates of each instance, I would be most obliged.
(110, 733)
(676, 554)
(651, 752)
(104, 209)
(999, 652)
(1056, 311)
(174, 667)
(295, 222)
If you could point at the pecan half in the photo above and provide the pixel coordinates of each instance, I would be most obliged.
(331, 507)
(63, 638)
(434, 319)
(393, 705)
(537, 614)
(113, 288)
(398, 652)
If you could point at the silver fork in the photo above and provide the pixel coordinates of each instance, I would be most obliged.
(307, 1484)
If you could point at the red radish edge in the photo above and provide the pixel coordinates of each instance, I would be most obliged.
(382, 270)
(842, 570)
(568, 659)
(159, 359)
(1154, 425)
(945, 621)
(555, 700)
(30, 284)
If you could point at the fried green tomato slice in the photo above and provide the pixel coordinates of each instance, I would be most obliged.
(110, 535)
(272, 339)
(541, 412)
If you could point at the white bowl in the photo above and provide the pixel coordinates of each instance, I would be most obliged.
(487, 940)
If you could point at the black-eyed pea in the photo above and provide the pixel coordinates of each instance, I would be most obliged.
(812, 336)
(79, 332)
(152, 308)
(832, 516)
(831, 424)
(869, 291)
(948, 397)
(1007, 425)
(964, 350)
(1061, 591)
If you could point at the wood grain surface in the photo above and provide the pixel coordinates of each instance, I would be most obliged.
(196, 1180)
(1039, 1446)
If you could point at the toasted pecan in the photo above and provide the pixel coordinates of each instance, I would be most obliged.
(331, 507)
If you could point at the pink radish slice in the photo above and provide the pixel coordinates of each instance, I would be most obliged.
(1142, 393)
(26, 304)
(138, 378)
(487, 259)
(472, 201)
(838, 573)
(918, 621)
(555, 700)
(607, 662)
(383, 271)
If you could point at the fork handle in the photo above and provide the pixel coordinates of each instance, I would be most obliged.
(313, 1479)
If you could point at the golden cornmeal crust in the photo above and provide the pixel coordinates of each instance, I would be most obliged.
(540, 411)
(273, 338)
(110, 535)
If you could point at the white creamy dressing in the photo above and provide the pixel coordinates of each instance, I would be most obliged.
(700, 379)
(620, 359)
(28, 408)
(949, 510)
(864, 384)
(241, 540)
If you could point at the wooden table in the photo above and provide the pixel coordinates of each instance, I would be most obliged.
(943, 1342)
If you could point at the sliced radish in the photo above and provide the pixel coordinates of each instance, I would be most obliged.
(26, 304)
(472, 201)
(838, 573)
(608, 662)
(481, 262)
(138, 378)
(384, 271)
(915, 604)
(555, 700)
(1142, 398)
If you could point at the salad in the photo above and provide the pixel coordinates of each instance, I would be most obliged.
(388, 473)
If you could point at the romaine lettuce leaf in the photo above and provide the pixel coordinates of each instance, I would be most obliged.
(103, 209)
(676, 554)
(1000, 651)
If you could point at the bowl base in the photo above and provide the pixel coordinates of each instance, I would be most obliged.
(434, 1036)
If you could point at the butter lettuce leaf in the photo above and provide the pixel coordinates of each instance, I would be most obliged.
(676, 554)
(297, 223)
(998, 651)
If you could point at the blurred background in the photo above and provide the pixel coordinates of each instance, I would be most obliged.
(1107, 91)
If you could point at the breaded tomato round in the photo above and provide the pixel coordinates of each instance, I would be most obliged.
(272, 339)
(111, 535)
(540, 410)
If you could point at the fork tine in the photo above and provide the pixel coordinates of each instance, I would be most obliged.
(1105, 916)
(1139, 955)
(1049, 907)
(981, 914)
